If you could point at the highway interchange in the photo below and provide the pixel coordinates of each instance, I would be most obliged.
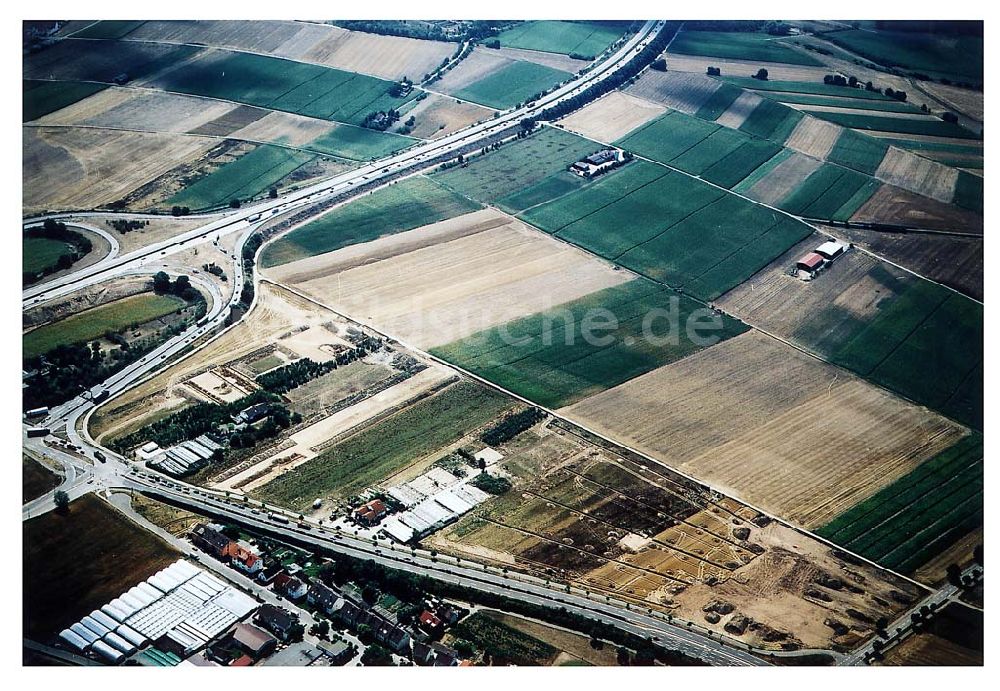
(83, 475)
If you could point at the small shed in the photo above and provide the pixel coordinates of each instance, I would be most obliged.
(812, 262)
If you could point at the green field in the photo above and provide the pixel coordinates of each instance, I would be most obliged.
(103, 61)
(39, 254)
(969, 191)
(294, 87)
(919, 515)
(815, 88)
(839, 102)
(95, 322)
(405, 205)
(927, 345)
(671, 227)
(389, 446)
(957, 57)
(718, 154)
(41, 98)
(719, 102)
(831, 192)
(359, 143)
(858, 151)
(248, 176)
(514, 83)
(580, 38)
(762, 171)
(109, 29)
(738, 46)
(882, 123)
(771, 120)
(547, 357)
(517, 166)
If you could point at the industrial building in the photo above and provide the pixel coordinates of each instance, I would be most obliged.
(180, 459)
(178, 609)
(432, 501)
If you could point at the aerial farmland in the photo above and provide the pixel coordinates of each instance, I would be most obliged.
(484, 342)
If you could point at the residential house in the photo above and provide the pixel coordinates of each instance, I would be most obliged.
(444, 656)
(270, 572)
(371, 513)
(429, 622)
(423, 654)
(290, 587)
(246, 561)
(349, 614)
(211, 541)
(398, 639)
(322, 598)
(278, 621)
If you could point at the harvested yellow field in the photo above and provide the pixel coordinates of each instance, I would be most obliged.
(438, 116)
(140, 109)
(681, 91)
(476, 66)
(612, 116)
(814, 137)
(436, 284)
(556, 61)
(850, 289)
(776, 71)
(740, 110)
(83, 168)
(771, 426)
(965, 101)
(847, 110)
(389, 57)
(785, 177)
(918, 174)
(285, 128)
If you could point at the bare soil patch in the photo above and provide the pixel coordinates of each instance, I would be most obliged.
(478, 65)
(437, 116)
(897, 206)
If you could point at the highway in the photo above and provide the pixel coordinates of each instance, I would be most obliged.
(415, 157)
(712, 649)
